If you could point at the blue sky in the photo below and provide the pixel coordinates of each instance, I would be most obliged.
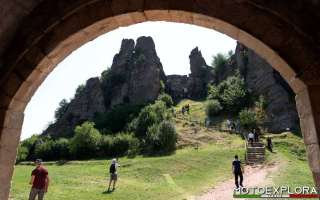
(173, 41)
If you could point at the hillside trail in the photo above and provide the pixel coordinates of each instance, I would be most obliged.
(254, 176)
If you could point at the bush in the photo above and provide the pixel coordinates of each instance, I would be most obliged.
(23, 153)
(248, 118)
(166, 99)
(84, 143)
(30, 145)
(234, 94)
(119, 145)
(149, 115)
(213, 92)
(260, 106)
(116, 119)
(161, 138)
(50, 149)
(231, 93)
(213, 107)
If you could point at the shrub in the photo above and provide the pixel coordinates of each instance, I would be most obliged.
(119, 145)
(260, 106)
(166, 99)
(116, 119)
(161, 138)
(233, 94)
(248, 118)
(30, 144)
(23, 153)
(149, 115)
(84, 143)
(50, 149)
(213, 92)
(213, 107)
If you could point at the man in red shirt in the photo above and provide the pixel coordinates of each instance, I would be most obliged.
(39, 181)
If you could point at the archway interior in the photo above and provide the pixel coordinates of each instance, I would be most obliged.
(64, 48)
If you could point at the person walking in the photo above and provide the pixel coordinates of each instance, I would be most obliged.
(113, 173)
(251, 137)
(238, 171)
(39, 181)
(269, 144)
(256, 136)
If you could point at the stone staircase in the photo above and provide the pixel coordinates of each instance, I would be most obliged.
(255, 154)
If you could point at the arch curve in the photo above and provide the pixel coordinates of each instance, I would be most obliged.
(53, 29)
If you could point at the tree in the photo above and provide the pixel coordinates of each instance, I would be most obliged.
(166, 99)
(248, 119)
(218, 62)
(161, 138)
(84, 143)
(213, 107)
(79, 89)
(61, 110)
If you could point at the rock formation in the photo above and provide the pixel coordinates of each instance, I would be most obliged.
(136, 73)
(134, 78)
(262, 79)
(193, 86)
(83, 107)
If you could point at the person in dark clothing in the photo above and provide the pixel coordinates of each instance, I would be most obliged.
(237, 170)
(39, 181)
(113, 173)
(269, 144)
(256, 136)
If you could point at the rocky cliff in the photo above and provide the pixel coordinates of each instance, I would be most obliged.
(262, 79)
(134, 78)
(83, 107)
(193, 86)
(136, 73)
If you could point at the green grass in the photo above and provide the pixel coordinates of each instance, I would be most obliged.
(186, 173)
(290, 151)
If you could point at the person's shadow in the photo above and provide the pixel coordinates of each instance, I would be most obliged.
(108, 192)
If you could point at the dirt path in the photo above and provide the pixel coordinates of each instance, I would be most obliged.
(254, 176)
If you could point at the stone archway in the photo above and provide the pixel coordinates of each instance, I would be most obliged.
(48, 31)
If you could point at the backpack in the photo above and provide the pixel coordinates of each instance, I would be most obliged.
(112, 169)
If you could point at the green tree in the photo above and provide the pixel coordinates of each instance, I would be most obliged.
(79, 89)
(161, 138)
(233, 94)
(61, 110)
(167, 99)
(85, 142)
(213, 107)
(248, 119)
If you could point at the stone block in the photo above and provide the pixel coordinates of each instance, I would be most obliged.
(313, 153)
(13, 120)
(181, 16)
(9, 140)
(308, 129)
(157, 15)
(303, 103)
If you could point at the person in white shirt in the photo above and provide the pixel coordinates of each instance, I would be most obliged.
(251, 137)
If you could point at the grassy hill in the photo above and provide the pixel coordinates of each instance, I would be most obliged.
(178, 176)
(187, 173)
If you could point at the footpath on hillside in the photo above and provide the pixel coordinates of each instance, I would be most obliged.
(259, 175)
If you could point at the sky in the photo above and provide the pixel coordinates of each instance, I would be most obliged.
(173, 41)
